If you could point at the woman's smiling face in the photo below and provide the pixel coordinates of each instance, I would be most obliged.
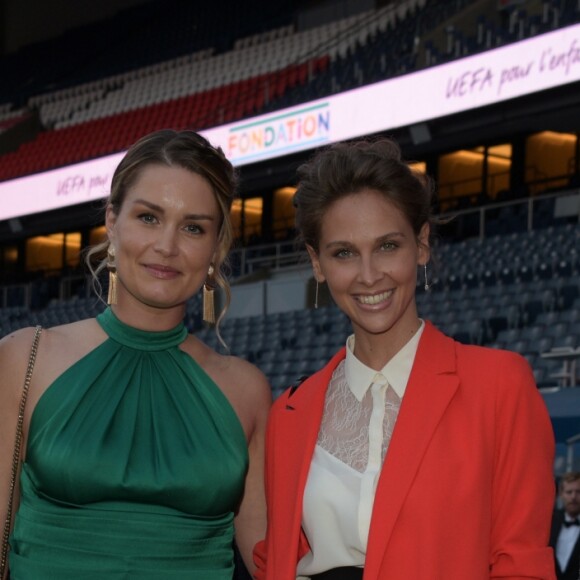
(368, 255)
(164, 236)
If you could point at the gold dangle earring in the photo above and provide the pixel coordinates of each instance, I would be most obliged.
(112, 296)
(208, 297)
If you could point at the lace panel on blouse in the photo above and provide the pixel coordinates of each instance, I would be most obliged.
(344, 432)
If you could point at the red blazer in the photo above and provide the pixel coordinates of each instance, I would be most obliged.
(466, 491)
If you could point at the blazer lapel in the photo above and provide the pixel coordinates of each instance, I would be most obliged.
(297, 425)
(574, 557)
(432, 384)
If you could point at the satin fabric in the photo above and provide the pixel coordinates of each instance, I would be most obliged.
(134, 467)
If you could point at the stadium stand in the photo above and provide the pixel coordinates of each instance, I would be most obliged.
(529, 316)
(259, 73)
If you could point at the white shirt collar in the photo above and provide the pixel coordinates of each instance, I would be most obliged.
(397, 371)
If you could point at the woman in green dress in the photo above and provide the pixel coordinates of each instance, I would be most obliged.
(143, 447)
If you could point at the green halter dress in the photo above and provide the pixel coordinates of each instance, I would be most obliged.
(134, 466)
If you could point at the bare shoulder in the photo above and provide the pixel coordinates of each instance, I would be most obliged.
(249, 392)
(248, 376)
(15, 341)
(76, 335)
(230, 373)
(14, 354)
(241, 377)
(244, 385)
(15, 351)
(59, 347)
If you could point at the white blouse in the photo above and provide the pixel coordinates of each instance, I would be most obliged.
(360, 412)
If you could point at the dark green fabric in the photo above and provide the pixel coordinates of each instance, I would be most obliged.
(135, 463)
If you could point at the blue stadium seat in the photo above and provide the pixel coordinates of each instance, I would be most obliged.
(541, 345)
(566, 340)
(563, 268)
(268, 356)
(532, 308)
(488, 278)
(533, 333)
(508, 336)
(567, 294)
(543, 271)
(557, 330)
(519, 345)
(548, 318)
(506, 276)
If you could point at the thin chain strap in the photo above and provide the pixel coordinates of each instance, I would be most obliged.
(17, 449)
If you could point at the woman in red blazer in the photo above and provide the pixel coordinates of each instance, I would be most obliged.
(409, 456)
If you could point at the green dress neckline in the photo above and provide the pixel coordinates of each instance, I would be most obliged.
(149, 340)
